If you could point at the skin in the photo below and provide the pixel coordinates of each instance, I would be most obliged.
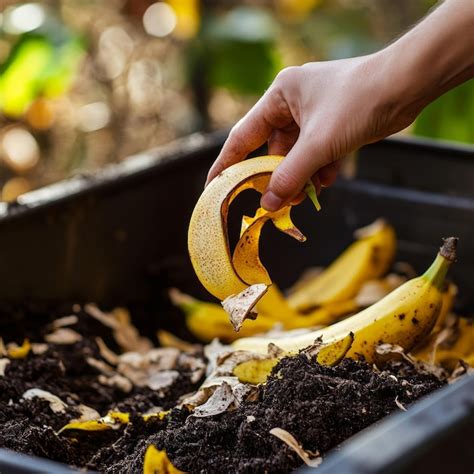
(317, 113)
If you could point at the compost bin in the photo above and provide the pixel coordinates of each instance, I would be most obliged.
(118, 238)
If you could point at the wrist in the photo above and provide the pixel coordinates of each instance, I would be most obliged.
(429, 60)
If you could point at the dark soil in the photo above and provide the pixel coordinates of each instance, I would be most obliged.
(319, 406)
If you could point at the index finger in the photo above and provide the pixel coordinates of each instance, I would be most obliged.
(251, 132)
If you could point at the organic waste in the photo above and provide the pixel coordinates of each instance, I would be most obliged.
(346, 346)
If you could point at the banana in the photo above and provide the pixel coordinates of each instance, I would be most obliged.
(403, 317)
(208, 321)
(367, 258)
(208, 242)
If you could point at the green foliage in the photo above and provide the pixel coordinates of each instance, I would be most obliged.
(238, 51)
(450, 117)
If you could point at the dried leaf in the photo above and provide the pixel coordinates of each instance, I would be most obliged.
(3, 349)
(193, 400)
(157, 462)
(105, 318)
(117, 381)
(399, 404)
(18, 352)
(86, 413)
(110, 356)
(162, 380)
(101, 366)
(387, 349)
(39, 348)
(312, 459)
(240, 306)
(274, 351)
(220, 401)
(65, 321)
(55, 403)
(3, 366)
(166, 339)
(63, 336)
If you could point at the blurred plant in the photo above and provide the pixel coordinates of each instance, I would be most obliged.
(83, 84)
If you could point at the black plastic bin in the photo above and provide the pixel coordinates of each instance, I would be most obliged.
(119, 238)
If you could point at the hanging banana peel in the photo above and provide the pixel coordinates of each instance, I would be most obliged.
(403, 317)
(208, 242)
(368, 258)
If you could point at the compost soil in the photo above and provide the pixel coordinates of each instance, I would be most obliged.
(320, 406)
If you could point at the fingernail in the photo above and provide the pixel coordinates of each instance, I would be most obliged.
(270, 201)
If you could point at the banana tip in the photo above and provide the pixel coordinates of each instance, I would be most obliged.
(448, 249)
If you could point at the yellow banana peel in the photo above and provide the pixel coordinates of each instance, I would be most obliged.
(157, 462)
(369, 257)
(403, 317)
(208, 321)
(256, 371)
(208, 242)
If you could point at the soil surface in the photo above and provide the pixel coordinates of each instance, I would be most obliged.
(320, 406)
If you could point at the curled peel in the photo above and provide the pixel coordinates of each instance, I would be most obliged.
(208, 241)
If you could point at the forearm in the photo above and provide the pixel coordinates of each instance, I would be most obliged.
(432, 58)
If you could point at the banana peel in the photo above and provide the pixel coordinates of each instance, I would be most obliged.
(369, 257)
(157, 462)
(208, 321)
(404, 317)
(256, 371)
(208, 241)
(112, 421)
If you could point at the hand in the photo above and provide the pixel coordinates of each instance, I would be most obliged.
(317, 113)
(314, 114)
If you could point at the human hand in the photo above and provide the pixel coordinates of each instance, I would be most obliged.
(314, 114)
(317, 113)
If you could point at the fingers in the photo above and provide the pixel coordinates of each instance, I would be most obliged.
(282, 140)
(328, 174)
(305, 161)
(252, 131)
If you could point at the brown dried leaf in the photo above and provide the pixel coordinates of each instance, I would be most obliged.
(221, 400)
(3, 349)
(240, 306)
(274, 351)
(117, 381)
(166, 339)
(3, 366)
(39, 348)
(63, 336)
(86, 413)
(110, 356)
(55, 403)
(101, 366)
(65, 321)
(312, 459)
(105, 318)
(399, 404)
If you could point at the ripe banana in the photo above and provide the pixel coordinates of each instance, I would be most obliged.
(208, 321)
(367, 258)
(208, 242)
(403, 317)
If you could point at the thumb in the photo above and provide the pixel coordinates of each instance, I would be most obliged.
(291, 176)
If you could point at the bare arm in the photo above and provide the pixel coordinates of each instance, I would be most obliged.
(317, 113)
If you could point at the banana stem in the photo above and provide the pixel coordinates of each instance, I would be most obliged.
(436, 273)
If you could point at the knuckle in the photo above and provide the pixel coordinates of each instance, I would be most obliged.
(286, 75)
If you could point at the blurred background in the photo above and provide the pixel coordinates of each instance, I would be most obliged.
(84, 83)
